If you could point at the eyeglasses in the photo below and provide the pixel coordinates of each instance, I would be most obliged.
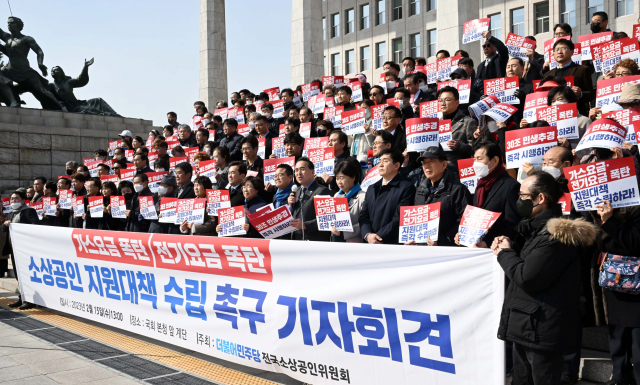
(447, 100)
(560, 49)
(621, 74)
(375, 94)
(389, 118)
(486, 46)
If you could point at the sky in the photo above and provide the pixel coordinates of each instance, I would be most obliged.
(147, 51)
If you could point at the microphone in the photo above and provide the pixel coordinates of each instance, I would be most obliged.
(297, 191)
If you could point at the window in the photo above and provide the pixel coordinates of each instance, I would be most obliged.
(381, 54)
(542, 17)
(350, 64)
(495, 25)
(432, 5)
(624, 8)
(364, 16)
(432, 39)
(335, 64)
(397, 50)
(324, 28)
(414, 45)
(335, 25)
(517, 21)
(326, 68)
(349, 23)
(365, 58)
(397, 10)
(568, 12)
(414, 7)
(380, 5)
(593, 7)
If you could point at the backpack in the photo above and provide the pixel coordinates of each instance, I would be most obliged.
(620, 273)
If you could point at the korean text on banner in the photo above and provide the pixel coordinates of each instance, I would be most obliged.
(468, 174)
(317, 142)
(323, 160)
(372, 177)
(304, 131)
(147, 208)
(475, 224)
(603, 133)
(309, 90)
(609, 90)
(432, 72)
(208, 168)
(588, 41)
(277, 147)
(473, 30)
(533, 103)
(278, 108)
(274, 93)
(501, 112)
(564, 117)
(444, 133)
(356, 91)
(118, 206)
(65, 197)
(336, 81)
(519, 45)
(270, 166)
(419, 223)
(190, 210)
(96, 207)
(430, 109)
(217, 199)
(463, 87)
(154, 180)
(628, 118)
(168, 210)
(353, 121)
(422, 133)
(221, 112)
(275, 223)
(334, 115)
(528, 145)
(614, 51)
(49, 205)
(565, 204)
(231, 221)
(39, 207)
(478, 109)
(503, 89)
(332, 212)
(376, 115)
(78, 206)
(611, 180)
(318, 105)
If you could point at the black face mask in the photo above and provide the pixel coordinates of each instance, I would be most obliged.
(128, 196)
(525, 207)
(322, 133)
(171, 121)
(69, 172)
(595, 27)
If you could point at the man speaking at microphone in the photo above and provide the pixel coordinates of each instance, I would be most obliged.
(301, 203)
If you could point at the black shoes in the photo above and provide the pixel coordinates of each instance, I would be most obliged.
(16, 304)
(569, 380)
(26, 306)
(621, 382)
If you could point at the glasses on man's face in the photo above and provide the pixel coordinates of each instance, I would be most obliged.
(524, 195)
(486, 46)
(388, 117)
(279, 175)
(624, 73)
(375, 94)
(561, 49)
(301, 169)
(445, 100)
(116, 168)
(377, 143)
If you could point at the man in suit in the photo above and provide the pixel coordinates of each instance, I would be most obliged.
(237, 173)
(412, 83)
(38, 188)
(391, 119)
(262, 131)
(183, 173)
(20, 213)
(380, 215)
(583, 87)
(302, 207)
(141, 161)
(494, 66)
(135, 221)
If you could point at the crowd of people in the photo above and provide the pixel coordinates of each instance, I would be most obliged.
(550, 259)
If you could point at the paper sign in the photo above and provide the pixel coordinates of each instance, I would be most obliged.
(417, 223)
(372, 177)
(175, 161)
(65, 196)
(39, 207)
(118, 206)
(147, 208)
(309, 90)
(274, 93)
(565, 204)
(154, 180)
(463, 87)
(49, 205)
(468, 174)
(432, 72)
(208, 168)
(6, 204)
(536, 84)
(478, 109)
(588, 41)
(356, 91)
(129, 155)
(312, 143)
(422, 133)
(128, 174)
(190, 210)
(323, 160)
(611, 180)
(231, 220)
(519, 45)
(501, 112)
(533, 103)
(353, 121)
(473, 30)
(626, 117)
(78, 206)
(609, 91)
(444, 133)
(270, 166)
(217, 199)
(172, 142)
(262, 147)
(336, 81)
(446, 66)
(93, 167)
(273, 224)
(475, 224)
(603, 133)
(614, 51)
(96, 206)
(237, 114)
(334, 115)
(278, 108)
(244, 130)
(332, 212)
(277, 147)
(528, 145)
(221, 112)
(319, 104)
(503, 89)
(109, 178)
(112, 147)
(564, 117)
(377, 112)
(430, 109)
(168, 210)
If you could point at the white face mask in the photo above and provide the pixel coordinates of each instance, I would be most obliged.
(138, 187)
(205, 122)
(119, 157)
(423, 87)
(492, 126)
(16, 206)
(400, 103)
(267, 114)
(558, 103)
(555, 172)
(162, 190)
(252, 125)
(390, 85)
(407, 69)
(481, 169)
(248, 102)
(207, 150)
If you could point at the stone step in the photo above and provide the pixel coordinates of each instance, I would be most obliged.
(595, 366)
(595, 338)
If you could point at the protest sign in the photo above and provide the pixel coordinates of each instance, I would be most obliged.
(49, 205)
(223, 112)
(323, 160)
(190, 210)
(173, 161)
(603, 133)
(317, 142)
(372, 177)
(432, 72)
(446, 66)
(147, 207)
(128, 174)
(548, 47)
(475, 224)
(6, 204)
(588, 41)
(244, 130)
(463, 87)
(305, 130)
(262, 147)
(168, 210)
(172, 142)
(334, 115)
(611, 180)
(501, 112)
(564, 117)
(614, 51)
(332, 212)
(356, 91)
(478, 109)
(274, 93)
(419, 223)
(39, 207)
(636, 31)
(129, 155)
(231, 220)
(278, 108)
(609, 91)
(473, 30)
(353, 121)
(196, 123)
(190, 153)
(274, 223)
(208, 168)
(112, 147)
(93, 167)
(277, 147)
(444, 133)
(237, 114)
(153, 157)
(548, 85)
(78, 206)
(422, 133)
(217, 199)
(528, 145)
(377, 112)
(309, 90)
(65, 197)
(109, 178)
(118, 206)
(468, 174)
(154, 180)
(96, 206)
(430, 109)
(503, 89)
(336, 81)
(627, 118)
(534, 102)
(319, 104)
(565, 204)
(519, 45)
(270, 166)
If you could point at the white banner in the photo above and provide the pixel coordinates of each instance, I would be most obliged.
(339, 308)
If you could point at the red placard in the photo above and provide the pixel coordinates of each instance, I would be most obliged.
(175, 161)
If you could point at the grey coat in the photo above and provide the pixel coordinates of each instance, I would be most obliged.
(462, 129)
(355, 206)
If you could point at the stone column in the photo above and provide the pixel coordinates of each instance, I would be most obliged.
(213, 53)
(307, 46)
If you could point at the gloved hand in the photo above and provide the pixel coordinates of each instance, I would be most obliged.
(520, 94)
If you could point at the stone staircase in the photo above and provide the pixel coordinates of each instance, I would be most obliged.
(38, 142)
(595, 364)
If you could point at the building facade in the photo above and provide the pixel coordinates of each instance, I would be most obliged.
(360, 35)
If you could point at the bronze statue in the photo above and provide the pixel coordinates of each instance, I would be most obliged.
(62, 87)
(18, 70)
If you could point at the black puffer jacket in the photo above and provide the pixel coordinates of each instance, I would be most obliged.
(542, 306)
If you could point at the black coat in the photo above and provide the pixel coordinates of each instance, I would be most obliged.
(257, 166)
(423, 97)
(144, 170)
(186, 192)
(502, 198)
(462, 129)
(135, 223)
(236, 197)
(26, 215)
(79, 222)
(252, 206)
(542, 305)
(156, 227)
(496, 68)
(453, 197)
(304, 208)
(582, 78)
(190, 142)
(232, 143)
(92, 223)
(381, 210)
(399, 139)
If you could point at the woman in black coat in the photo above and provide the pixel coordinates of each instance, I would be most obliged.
(541, 310)
(251, 189)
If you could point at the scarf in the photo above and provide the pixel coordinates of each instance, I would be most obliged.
(485, 184)
(354, 190)
(282, 195)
